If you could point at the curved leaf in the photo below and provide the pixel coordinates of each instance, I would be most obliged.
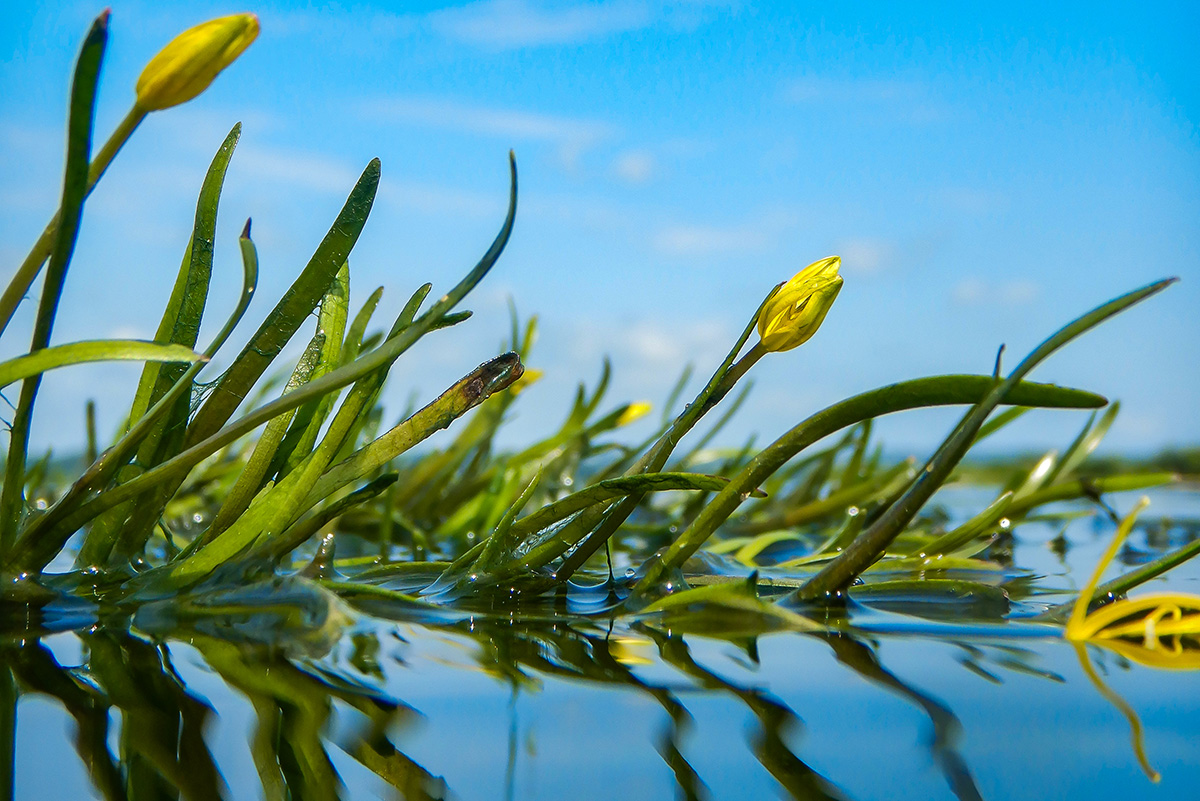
(98, 350)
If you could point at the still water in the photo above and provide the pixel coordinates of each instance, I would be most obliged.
(909, 703)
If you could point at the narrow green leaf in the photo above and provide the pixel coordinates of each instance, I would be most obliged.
(915, 394)
(75, 185)
(291, 311)
(253, 475)
(307, 423)
(176, 469)
(358, 328)
(181, 319)
(999, 421)
(1087, 441)
(46, 534)
(960, 536)
(863, 551)
(99, 350)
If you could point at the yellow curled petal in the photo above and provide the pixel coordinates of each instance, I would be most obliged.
(794, 313)
(190, 62)
(1129, 618)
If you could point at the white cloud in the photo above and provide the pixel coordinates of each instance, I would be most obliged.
(650, 352)
(434, 199)
(967, 200)
(752, 236)
(313, 171)
(866, 256)
(901, 100)
(127, 331)
(517, 23)
(571, 136)
(978, 292)
(501, 24)
(812, 88)
(297, 168)
(634, 166)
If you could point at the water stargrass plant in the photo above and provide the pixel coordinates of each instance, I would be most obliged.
(260, 510)
(464, 523)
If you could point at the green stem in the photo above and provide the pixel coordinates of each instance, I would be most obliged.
(80, 121)
(33, 554)
(872, 543)
(1124, 583)
(656, 457)
(915, 394)
(27, 273)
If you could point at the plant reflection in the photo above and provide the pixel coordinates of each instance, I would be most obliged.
(141, 732)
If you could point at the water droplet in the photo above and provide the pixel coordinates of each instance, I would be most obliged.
(853, 511)
(1005, 523)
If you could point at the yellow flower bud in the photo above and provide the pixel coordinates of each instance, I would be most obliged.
(186, 66)
(634, 411)
(797, 310)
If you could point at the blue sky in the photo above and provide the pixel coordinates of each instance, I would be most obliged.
(986, 173)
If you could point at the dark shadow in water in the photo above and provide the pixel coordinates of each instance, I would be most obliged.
(860, 658)
(300, 701)
(37, 671)
(775, 718)
(567, 652)
(163, 754)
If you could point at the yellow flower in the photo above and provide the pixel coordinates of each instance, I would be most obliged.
(1157, 630)
(794, 313)
(634, 411)
(188, 64)
(1157, 620)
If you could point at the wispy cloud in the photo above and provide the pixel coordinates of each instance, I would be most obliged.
(571, 137)
(903, 100)
(634, 166)
(517, 23)
(813, 88)
(322, 174)
(441, 200)
(866, 256)
(296, 168)
(752, 236)
(972, 201)
(648, 353)
(978, 292)
(504, 24)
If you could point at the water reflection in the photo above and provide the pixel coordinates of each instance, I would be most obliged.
(140, 731)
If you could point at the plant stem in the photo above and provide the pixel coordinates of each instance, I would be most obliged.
(873, 542)
(80, 121)
(915, 394)
(657, 456)
(29, 269)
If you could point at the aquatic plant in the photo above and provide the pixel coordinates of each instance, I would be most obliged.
(577, 556)
(189, 509)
